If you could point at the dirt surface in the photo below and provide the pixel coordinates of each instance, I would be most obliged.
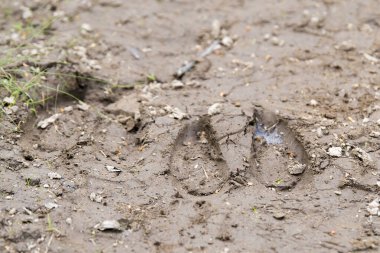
(205, 126)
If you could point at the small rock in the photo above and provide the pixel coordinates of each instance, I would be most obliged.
(329, 115)
(279, 215)
(176, 113)
(51, 205)
(378, 122)
(46, 122)
(363, 156)
(11, 110)
(84, 140)
(109, 225)
(113, 169)
(227, 41)
(346, 46)
(9, 100)
(68, 108)
(69, 221)
(338, 193)
(26, 12)
(86, 28)
(296, 169)
(176, 84)
(374, 134)
(277, 42)
(373, 207)
(214, 109)
(12, 211)
(319, 132)
(96, 197)
(335, 151)
(313, 102)
(83, 106)
(54, 175)
(371, 58)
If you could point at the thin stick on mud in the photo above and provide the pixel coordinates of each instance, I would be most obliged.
(204, 170)
(48, 244)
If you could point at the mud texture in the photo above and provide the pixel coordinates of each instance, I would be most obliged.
(203, 126)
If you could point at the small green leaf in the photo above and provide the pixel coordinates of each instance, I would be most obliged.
(279, 181)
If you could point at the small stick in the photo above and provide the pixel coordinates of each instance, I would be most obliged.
(204, 170)
(48, 244)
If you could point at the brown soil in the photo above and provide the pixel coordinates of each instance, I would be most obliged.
(293, 81)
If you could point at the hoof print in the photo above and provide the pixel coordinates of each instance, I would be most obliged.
(197, 161)
(279, 160)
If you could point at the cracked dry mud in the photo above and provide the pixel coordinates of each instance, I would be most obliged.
(291, 79)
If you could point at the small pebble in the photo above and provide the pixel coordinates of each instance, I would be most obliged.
(109, 225)
(176, 84)
(319, 132)
(12, 211)
(313, 102)
(227, 42)
(96, 197)
(214, 109)
(83, 106)
(277, 42)
(279, 215)
(335, 151)
(69, 221)
(296, 169)
(68, 108)
(51, 205)
(9, 100)
(46, 122)
(54, 175)
(86, 28)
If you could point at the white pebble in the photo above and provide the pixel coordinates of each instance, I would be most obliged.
(227, 41)
(335, 151)
(313, 102)
(215, 109)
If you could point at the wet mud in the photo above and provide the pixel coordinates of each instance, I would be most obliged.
(193, 126)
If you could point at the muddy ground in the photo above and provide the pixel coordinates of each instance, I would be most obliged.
(267, 140)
